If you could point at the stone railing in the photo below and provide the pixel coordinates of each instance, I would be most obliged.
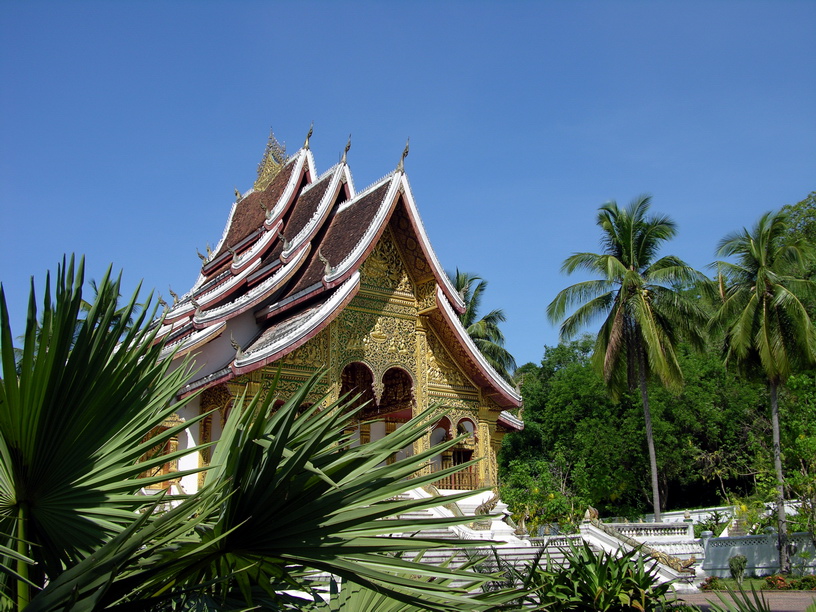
(654, 531)
(760, 551)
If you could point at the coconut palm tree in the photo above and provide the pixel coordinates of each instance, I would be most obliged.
(645, 313)
(764, 317)
(484, 331)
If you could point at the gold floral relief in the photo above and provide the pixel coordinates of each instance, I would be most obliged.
(442, 370)
(384, 268)
(313, 355)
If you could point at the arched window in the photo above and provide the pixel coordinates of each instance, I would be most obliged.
(398, 392)
(465, 427)
(355, 379)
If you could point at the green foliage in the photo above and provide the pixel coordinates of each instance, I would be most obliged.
(596, 581)
(286, 494)
(740, 601)
(643, 311)
(484, 331)
(736, 565)
(73, 424)
(712, 583)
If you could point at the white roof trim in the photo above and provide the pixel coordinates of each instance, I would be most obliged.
(320, 212)
(257, 292)
(423, 236)
(308, 325)
(193, 341)
(257, 247)
(376, 223)
(476, 354)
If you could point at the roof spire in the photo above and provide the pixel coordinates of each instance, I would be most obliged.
(273, 160)
(401, 165)
(308, 136)
(346, 150)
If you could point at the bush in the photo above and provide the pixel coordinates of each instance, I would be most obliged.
(736, 565)
(808, 583)
(777, 582)
(712, 583)
(597, 581)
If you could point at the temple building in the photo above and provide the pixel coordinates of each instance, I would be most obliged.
(311, 273)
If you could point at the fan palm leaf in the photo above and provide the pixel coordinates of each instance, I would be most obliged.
(72, 423)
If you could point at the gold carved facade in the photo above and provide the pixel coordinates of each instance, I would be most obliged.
(383, 328)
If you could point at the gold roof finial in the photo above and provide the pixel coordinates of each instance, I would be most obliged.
(346, 150)
(401, 166)
(308, 136)
(274, 158)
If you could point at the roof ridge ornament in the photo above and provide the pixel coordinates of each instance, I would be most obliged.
(174, 295)
(308, 136)
(283, 239)
(163, 304)
(329, 268)
(201, 256)
(239, 352)
(401, 165)
(273, 160)
(238, 195)
(346, 150)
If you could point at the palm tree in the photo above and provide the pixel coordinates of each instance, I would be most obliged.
(765, 320)
(646, 312)
(484, 331)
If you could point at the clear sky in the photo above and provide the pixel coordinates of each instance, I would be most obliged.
(125, 126)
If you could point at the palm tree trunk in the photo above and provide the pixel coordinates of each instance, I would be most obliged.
(647, 416)
(781, 519)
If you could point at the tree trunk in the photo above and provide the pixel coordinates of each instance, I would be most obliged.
(647, 415)
(781, 519)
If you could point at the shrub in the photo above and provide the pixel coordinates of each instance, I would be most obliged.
(712, 583)
(597, 581)
(778, 582)
(736, 565)
(808, 583)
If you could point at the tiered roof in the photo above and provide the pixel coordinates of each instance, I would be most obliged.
(289, 261)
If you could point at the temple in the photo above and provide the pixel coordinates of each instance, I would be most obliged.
(310, 273)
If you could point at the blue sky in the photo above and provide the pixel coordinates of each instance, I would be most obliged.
(125, 126)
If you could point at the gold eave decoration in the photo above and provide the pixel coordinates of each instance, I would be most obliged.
(274, 158)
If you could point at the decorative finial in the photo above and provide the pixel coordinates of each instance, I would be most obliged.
(174, 295)
(285, 242)
(201, 256)
(238, 195)
(329, 268)
(195, 304)
(267, 212)
(163, 304)
(239, 352)
(346, 150)
(401, 166)
(209, 250)
(274, 158)
(308, 136)
(234, 254)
